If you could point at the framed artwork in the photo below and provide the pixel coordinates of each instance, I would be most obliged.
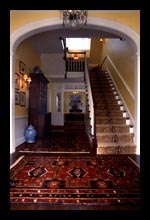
(17, 81)
(17, 98)
(22, 98)
(22, 67)
(75, 104)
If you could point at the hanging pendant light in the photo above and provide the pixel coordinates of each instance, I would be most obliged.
(74, 18)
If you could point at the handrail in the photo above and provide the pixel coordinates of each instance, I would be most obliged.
(118, 73)
(107, 58)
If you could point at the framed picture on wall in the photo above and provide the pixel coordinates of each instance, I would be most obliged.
(22, 67)
(22, 98)
(17, 98)
(17, 81)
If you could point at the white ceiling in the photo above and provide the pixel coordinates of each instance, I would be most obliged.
(49, 42)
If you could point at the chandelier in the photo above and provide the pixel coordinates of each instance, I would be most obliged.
(74, 18)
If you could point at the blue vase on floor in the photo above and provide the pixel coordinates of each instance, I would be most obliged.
(30, 134)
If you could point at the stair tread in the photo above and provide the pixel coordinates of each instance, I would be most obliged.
(118, 133)
(107, 144)
(106, 125)
(104, 117)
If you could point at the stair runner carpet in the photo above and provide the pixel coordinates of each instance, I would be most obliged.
(112, 133)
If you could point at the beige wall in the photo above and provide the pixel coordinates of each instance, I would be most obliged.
(30, 58)
(96, 52)
(21, 18)
(122, 56)
(129, 18)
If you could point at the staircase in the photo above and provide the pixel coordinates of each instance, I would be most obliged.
(112, 133)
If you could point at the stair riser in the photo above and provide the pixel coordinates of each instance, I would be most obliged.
(111, 102)
(108, 114)
(102, 89)
(112, 129)
(110, 121)
(105, 97)
(101, 85)
(104, 107)
(116, 138)
(116, 150)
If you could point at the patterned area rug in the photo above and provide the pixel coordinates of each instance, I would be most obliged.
(70, 142)
(102, 181)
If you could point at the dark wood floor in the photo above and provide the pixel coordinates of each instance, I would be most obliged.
(17, 154)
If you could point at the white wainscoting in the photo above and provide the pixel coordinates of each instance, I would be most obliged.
(20, 126)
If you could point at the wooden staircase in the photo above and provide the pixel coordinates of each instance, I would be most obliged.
(112, 133)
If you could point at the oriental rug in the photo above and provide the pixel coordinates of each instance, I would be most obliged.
(103, 181)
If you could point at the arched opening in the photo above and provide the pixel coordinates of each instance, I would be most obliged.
(93, 23)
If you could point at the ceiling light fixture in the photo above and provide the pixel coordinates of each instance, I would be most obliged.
(74, 18)
(76, 56)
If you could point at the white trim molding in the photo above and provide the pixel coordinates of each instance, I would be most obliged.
(124, 103)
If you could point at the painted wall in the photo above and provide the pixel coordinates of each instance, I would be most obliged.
(130, 18)
(49, 63)
(30, 58)
(96, 52)
(121, 55)
(21, 17)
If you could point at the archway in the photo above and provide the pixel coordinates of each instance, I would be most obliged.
(93, 23)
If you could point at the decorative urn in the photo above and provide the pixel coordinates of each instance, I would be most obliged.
(37, 69)
(30, 134)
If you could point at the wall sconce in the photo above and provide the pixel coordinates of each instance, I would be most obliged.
(27, 80)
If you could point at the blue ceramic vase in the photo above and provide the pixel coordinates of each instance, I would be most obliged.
(36, 69)
(30, 134)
